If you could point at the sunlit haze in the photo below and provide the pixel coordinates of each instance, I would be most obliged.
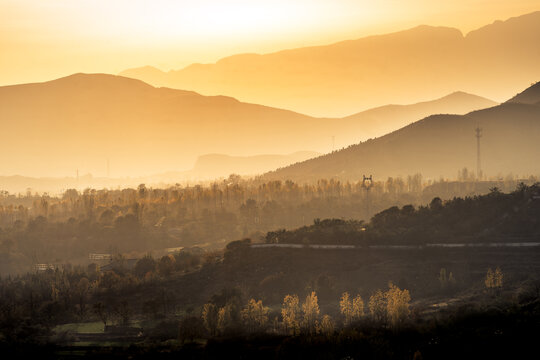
(42, 40)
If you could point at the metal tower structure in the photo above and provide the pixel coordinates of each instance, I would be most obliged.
(367, 183)
(478, 164)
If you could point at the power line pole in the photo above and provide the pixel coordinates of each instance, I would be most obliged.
(478, 165)
(367, 183)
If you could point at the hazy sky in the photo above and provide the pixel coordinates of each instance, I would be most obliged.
(45, 39)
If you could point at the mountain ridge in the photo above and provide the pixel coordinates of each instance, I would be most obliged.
(436, 146)
(374, 70)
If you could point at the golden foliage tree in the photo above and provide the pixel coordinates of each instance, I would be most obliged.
(255, 315)
(327, 325)
(346, 307)
(494, 279)
(397, 302)
(351, 309)
(210, 316)
(224, 318)
(290, 312)
(377, 306)
(357, 308)
(311, 313)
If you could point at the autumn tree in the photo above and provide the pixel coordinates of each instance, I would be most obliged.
(224, 319)
(311, 311)
(345, 306)
(494, 279)
(378, 306)
(210, 317)
(327, 326)
(255, 315)
(290, 312)
(397, 302)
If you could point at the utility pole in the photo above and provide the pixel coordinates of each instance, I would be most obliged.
(333, 143)
(478, 167)
(367, 183)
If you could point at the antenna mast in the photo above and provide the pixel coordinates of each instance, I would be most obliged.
(478, 166)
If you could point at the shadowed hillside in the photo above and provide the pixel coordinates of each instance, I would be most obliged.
(439, 145)
(401, 67)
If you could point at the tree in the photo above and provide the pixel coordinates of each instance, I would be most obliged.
(346, 307)
(81, 292)
(378, 307)
(489, 280)
(123, 312)
(210, 315)
(498, 278)
(101, 311)
(327, 326)
(255, 315)
(311, 313)
(145, 265)
(494, 280)
(189, 329)
(224, 319)
(166, 265)
(290, 312)
(397, 301)
(357, 308)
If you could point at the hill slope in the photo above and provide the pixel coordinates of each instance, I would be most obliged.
(402, 67)
(438, 145)
(80, 121)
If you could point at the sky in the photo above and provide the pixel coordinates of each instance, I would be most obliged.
(42, 40)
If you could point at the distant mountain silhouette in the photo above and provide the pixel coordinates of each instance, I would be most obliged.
(82, 120)
(207, 168)
(402, 67)
(439, 145)
(384, 119)
(219, 165)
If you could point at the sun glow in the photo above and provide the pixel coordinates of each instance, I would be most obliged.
(41, 40)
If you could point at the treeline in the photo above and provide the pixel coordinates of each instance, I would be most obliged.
(46, 229)
(494, 217)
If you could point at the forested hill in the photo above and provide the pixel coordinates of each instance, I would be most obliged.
(493, 218)
(439, 145)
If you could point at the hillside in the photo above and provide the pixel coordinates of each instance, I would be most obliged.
(402, 67)
(384, 119)
(439, 145)
(529, 96)
(141, 129)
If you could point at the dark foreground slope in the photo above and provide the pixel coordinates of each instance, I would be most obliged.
(447, 319)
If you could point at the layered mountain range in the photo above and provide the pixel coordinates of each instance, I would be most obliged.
(440, 146)
(403, 67)
(85, 120)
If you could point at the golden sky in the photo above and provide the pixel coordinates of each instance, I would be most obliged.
(45, 39)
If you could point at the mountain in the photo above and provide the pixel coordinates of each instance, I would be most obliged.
(529, 96)
(439, 145)
(213, 166)
(402, 67)
(84, 120)
(384, 119)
